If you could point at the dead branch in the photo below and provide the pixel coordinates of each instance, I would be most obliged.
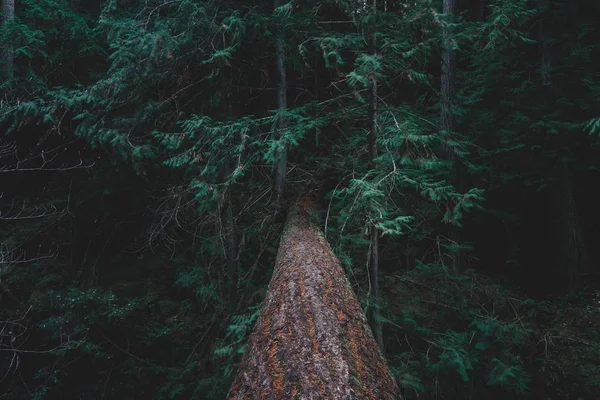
(8, 257)
(47, 157)
(25, 212)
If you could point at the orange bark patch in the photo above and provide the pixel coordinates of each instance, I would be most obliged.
(274, 368)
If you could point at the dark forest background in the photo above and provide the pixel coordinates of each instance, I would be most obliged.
(149, 150)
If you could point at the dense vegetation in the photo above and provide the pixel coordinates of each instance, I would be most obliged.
(150, 148)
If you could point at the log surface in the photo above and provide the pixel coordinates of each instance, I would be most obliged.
(311, 340)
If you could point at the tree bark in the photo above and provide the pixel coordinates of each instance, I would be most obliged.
(282, 104)
(446, 118)
(481, 10)
(231, 248)
(231, 251)
(75, 239)
(312, 340)
(448, 74)
(545, 66)
(573, 253)
(372, 139)
(7, 56)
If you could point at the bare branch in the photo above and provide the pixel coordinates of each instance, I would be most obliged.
(8, 257)
(28, 213)
(45, 156)
(6, 149)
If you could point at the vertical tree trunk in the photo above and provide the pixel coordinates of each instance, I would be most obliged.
(231, 251)
(72, 209)
(480, 16)
(573, 256)
(372, 143)
(281, 126)
(311, 340)
(543, 41)
(573, 253)
(231, 242)
(7, 56)
(446, 118)
(448, 73)
(375, 292)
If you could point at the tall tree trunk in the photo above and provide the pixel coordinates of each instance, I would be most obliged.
(543, 41)
(231, 246)
(446, 118)
(448, 74)
(375, 292)
(573, 255)
(480, 16)
(231, 251)
(372, 143)
(281, 126)
(7, 56)
(72, 209)
(311, 340)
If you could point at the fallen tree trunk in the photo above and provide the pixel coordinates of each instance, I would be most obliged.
(312, 340)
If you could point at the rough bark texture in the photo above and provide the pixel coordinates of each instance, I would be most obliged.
(312, 340)
(7, 57)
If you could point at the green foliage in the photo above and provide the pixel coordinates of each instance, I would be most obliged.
(470, 329)
(139, 235)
